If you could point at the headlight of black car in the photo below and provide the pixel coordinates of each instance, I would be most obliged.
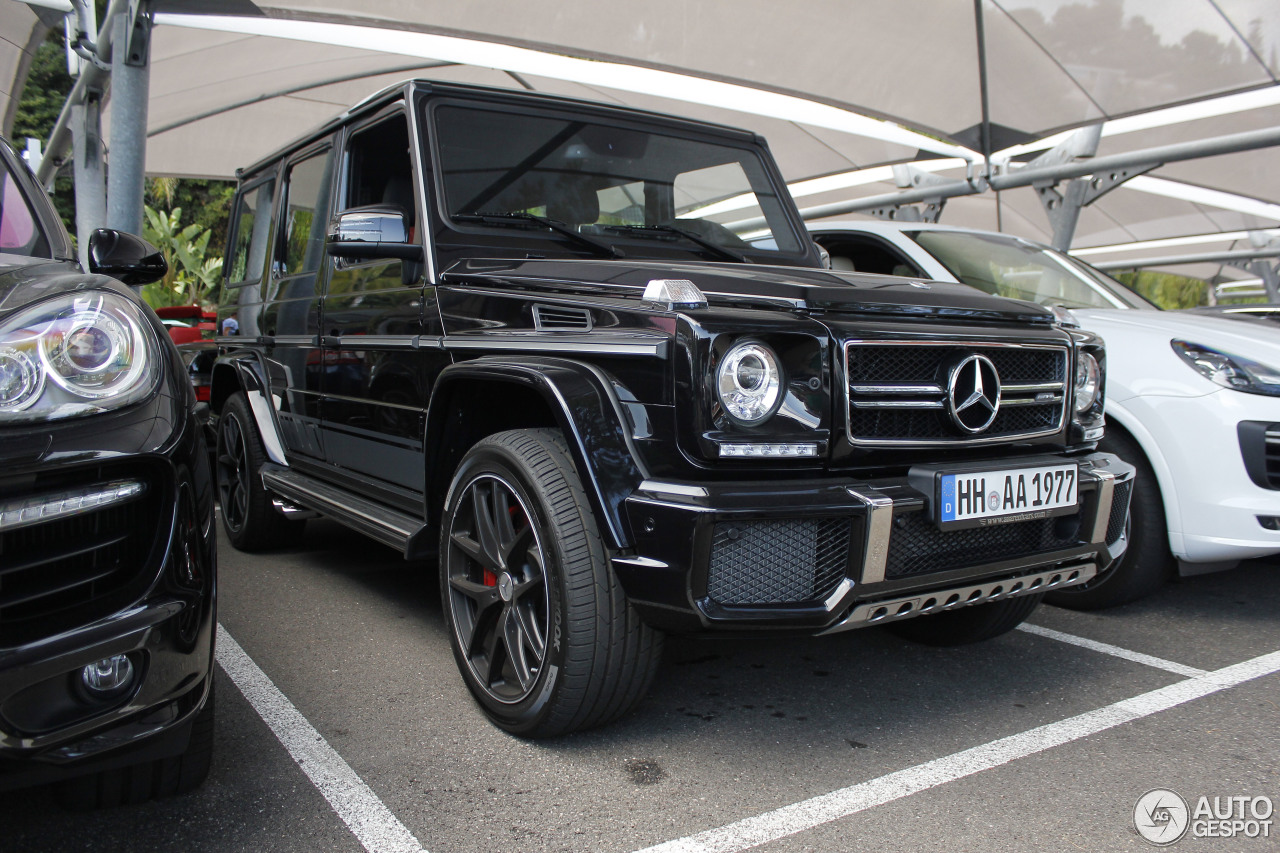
(78, 354)
(1088, 388)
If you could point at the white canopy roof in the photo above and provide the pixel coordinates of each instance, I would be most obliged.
(838, 88)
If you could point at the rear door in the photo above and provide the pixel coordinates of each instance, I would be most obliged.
(290, 320)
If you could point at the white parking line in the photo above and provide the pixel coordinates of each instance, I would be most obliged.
(1114, 651)
(365, 815)
(808, 814)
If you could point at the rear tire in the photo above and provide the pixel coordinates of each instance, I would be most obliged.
(138, 783)
(542, 633)
(1147, 563)
(250, 520)
(971, 624)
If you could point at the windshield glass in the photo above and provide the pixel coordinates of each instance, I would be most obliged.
(1008, 266)
(20, 232)
(623, 185)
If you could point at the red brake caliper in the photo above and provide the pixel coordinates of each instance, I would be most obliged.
(489, 578)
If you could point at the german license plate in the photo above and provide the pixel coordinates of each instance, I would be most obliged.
(975, 499)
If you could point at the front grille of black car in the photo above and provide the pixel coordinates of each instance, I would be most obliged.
(66, 571)
(777, 562)
(918, 547)
(898, 392)
(1119, 511)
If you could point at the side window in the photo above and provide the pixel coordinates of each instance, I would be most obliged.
(855, 253)
(306, 214)
(251, 233)
(379, 168)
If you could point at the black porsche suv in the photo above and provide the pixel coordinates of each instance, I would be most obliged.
(585, 360)
(107, 538)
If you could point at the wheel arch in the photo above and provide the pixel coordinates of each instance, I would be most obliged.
(245, 372)
(575, 398)
(1131, 426)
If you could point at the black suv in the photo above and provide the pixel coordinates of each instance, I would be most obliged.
(587, 358)
(107, 538)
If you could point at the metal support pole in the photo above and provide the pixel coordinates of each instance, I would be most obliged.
(130, 87)
(1270, 275)
(90, 186)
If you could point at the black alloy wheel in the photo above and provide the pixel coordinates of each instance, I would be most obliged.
(233, 473)
(248, 516)
(543, 635)
(498, 589)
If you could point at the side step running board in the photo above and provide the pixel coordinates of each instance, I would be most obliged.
(401, 531)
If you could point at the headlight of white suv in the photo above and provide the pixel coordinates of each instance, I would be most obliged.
(78, 354)
(1230, 371)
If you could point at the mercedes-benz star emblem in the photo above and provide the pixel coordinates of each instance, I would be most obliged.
(973, 393)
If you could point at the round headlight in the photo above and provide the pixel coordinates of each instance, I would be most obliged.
(95, 351)
(76, 354)
(20, 380)
(1088, 382)
(749, 383)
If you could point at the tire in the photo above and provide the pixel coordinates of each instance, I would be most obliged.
(251, 522)
(1147, 564)
(138, 783)
(971, 624)
(542, 633)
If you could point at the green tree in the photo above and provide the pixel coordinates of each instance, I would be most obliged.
(193, 276)
(1166, 289)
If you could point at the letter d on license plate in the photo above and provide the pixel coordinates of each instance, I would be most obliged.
(1005, 496)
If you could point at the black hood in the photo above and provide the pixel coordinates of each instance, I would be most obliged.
(24, 280)
(787, 288)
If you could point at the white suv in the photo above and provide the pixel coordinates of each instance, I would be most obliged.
(1193, 400)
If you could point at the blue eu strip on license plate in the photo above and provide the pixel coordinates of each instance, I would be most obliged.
(1007, 496)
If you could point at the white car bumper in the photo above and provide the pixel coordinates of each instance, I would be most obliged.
(1212, 505)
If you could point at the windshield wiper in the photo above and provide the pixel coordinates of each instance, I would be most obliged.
(507, 218)
(715, 248)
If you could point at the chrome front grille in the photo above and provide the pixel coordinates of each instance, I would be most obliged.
(898, 391)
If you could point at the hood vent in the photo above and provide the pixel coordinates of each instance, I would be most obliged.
(558, 318)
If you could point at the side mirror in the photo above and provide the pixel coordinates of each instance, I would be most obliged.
(376, 231)
(126, 257)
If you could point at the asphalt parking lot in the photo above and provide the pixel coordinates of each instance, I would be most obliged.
(343, 725)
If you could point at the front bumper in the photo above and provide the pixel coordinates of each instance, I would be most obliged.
(834, 554)
(101, 554)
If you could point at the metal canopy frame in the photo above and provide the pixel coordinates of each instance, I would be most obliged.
(1066, 179)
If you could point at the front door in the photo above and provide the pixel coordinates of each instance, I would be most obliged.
(376, 379)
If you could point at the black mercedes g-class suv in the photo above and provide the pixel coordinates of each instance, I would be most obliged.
(587, 359)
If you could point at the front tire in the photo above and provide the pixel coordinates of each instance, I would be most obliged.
(1147, 563)
(971, 624)
(542, 633)
(250, 520)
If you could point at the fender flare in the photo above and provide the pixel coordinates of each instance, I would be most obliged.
(246, 372)
(1159, 466)
(586, 407)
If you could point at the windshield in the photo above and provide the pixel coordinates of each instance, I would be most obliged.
(1008, 266)
(20, 232)
(625, 186)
